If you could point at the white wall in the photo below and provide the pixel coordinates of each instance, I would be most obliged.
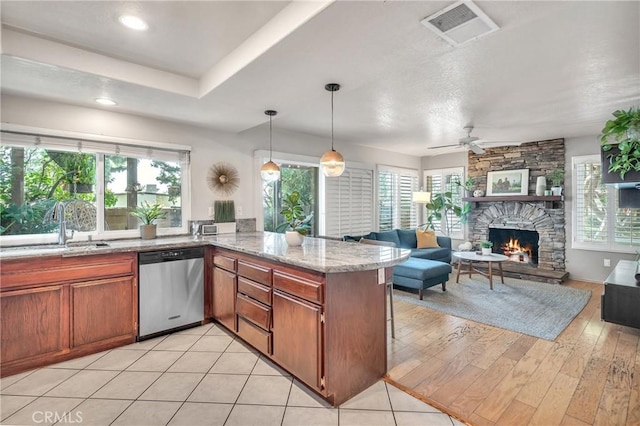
(208, 146)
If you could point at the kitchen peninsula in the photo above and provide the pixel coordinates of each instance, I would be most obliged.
(318, 310)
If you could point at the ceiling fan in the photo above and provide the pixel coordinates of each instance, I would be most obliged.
(476, 144)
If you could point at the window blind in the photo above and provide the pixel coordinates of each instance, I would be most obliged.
(395, 190)
(96, 147)
(590, 204)
(445, 181)
(349, 201)
(598, 223)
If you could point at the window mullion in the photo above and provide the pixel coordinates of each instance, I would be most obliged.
(100, 185)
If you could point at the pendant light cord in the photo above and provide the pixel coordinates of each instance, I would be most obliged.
(332, 122)
(270, 136)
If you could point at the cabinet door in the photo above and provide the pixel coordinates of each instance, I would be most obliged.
(103, 310)
(224, 297)
(297, 337)
(34, 322)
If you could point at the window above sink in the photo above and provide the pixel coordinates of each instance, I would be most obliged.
(99, 183)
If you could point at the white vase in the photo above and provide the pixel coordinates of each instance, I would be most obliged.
(293, 238)
(486, 251)
(148, 232)
(541, 185)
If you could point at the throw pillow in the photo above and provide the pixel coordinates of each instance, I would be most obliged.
(426, 239)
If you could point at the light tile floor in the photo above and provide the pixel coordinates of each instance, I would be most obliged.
(200, 376)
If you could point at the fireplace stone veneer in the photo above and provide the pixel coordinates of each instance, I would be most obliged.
(549, 223)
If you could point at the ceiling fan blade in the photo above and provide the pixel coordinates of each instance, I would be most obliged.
(476, 148)
(487, 144)
(443, 146)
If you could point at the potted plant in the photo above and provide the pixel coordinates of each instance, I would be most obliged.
(148, 214)
(468, 185)
(442, 208)
(485, 247)
(623, 156)
(296, 223)
(557, 178)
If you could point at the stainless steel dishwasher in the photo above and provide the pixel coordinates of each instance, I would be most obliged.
(170, 291)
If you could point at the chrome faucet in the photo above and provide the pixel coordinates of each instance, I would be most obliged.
(59, 213)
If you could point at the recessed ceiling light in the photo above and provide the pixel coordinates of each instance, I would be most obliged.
(106, 101)
(133, 22)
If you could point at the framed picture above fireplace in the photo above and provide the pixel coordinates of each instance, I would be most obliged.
(508, 182)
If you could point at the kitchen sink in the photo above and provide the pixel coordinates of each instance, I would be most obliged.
(56, 247)
(87, 244)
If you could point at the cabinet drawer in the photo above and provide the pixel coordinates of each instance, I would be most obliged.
(307, 289)
(224, 262)
(254, 290)
(255, 312)
(255, 272)
(256, 337)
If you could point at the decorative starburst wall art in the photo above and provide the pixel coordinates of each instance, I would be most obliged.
(223, 178)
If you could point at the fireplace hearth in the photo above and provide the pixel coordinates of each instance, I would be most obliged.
(519, 245)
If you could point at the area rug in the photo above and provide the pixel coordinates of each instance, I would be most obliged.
(537, 309)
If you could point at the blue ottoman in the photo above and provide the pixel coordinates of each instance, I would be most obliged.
(421, 273)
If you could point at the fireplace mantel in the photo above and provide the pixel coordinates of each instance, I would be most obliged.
(549, 200)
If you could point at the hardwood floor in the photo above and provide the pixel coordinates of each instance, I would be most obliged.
(590, 375)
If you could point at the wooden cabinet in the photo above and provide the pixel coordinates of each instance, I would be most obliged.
(34, 323)
(297, 337)
(102, 310)
(59, 308)
(328, 330)
(224, 297)
(224, 287)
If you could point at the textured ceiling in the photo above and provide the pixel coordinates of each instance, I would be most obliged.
(554, 69)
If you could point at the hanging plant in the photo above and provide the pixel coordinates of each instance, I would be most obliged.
(624, 130)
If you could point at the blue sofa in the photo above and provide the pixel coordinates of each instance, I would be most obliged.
(425, 268)
(406, 238)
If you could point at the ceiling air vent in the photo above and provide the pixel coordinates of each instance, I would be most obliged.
(459, 23)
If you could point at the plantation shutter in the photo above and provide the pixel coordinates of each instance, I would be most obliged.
(441, 181)
(395, 191)
(598, 222)
(349, 201)
(590, 204)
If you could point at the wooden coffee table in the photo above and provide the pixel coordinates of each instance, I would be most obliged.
(471, 257)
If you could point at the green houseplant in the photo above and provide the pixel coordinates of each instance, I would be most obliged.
(624, 130)
(148, 214)
(485, 247)
(296, 224)
(556, 177)
(442, 206)
(468, 185)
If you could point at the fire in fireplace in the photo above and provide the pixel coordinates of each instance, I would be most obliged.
(519, 245)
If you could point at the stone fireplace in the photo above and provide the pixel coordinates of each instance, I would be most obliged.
(541, 224)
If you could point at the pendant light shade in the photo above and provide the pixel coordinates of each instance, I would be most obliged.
(270, 171)
(332, 162)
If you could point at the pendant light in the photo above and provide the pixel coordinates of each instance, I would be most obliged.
(270, 171)
(332, 162)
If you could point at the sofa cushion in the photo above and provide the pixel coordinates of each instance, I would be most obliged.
(442, 254)
(388, 236)
(407, 238)
(426, 239)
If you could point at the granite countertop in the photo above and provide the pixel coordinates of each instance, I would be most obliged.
(317, 254)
